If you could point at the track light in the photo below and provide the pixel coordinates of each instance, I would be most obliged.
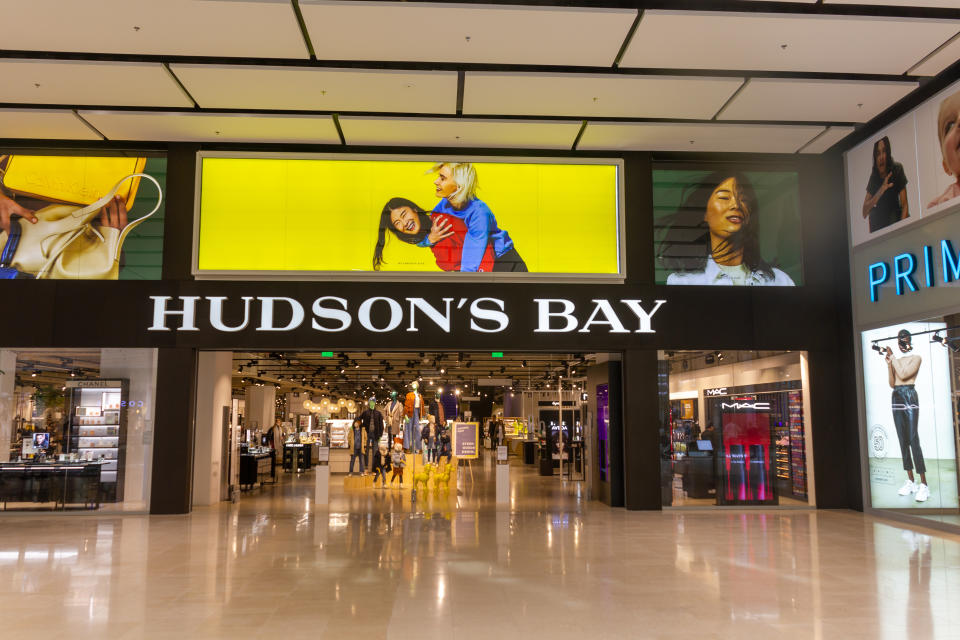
(34, 373)
(951, 343)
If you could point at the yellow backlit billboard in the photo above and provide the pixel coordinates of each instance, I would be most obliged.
(300, 216)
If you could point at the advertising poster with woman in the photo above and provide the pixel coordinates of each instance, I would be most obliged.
(81, 217)
(883, 189)
(737, 228)
(909, 416)
(938, 145)
(343, 216)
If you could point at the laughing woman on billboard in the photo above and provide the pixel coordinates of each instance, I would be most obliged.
(444, 235)
(713, 238)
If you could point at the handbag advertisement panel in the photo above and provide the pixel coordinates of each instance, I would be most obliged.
(81, 217)
(908, 394)
(736, 228)
(279, 215)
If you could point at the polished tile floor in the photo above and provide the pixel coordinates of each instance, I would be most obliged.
(453, 566)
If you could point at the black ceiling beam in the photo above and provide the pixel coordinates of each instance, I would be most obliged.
(746, 6)
(401, 114)
(393, 65)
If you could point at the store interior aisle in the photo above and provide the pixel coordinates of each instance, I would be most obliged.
(555, 566)
(475, 491)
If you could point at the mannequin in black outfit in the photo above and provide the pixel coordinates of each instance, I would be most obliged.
(372, 421)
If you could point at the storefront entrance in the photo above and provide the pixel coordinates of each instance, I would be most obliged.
(415, 426)
(735, 429)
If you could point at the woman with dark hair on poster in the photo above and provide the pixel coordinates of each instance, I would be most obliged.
(444, 234)
(713, 238)
(886, 199)
(902, 375)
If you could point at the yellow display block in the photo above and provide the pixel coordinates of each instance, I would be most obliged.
(358, 482)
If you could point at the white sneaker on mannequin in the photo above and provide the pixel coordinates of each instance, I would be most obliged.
(907, 488)
(923, 493)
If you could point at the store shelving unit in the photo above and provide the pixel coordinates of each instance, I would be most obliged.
(798, 457)
(97, 430)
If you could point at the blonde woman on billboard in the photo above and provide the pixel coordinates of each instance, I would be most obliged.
(949, 138)
(456, 186)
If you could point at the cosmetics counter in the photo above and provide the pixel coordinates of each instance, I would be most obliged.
(62, 483)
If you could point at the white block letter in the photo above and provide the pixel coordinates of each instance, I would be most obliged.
(216, 313)
(544, 314)
(642, 315)
(331, 314)
(604, 307)
(160, 313)
(479, 313)
(266, 313)
(442, 320)
(396, 314)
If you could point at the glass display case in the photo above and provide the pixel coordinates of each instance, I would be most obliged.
(96, 410)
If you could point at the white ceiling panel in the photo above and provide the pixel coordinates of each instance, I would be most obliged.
(816, 43)
(449, 32)
(43, 125)
(202, 127)
(814, 100)
(728, 138)
(293, 88)
(563, 94)
(939, 60)
(449, 132)
(827, 139)
(242, 28)
(102, 83)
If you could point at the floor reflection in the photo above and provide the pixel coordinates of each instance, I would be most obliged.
(380, 566)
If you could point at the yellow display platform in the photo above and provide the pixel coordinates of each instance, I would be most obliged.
(415, 466)
(358, 482)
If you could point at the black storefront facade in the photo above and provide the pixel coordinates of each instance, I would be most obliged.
(180, 316)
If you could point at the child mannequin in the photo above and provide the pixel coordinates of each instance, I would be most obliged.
(381, 464)
(430, 440)
(399, 462)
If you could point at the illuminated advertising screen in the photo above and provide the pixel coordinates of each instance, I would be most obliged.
(907, 170)
(317, 216)
(727, 227)
(908, 396)
(81, 217)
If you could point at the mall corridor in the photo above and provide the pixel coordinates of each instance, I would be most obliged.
(455, 567)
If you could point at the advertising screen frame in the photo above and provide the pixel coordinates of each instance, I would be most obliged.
(407, 276)
(746, 168)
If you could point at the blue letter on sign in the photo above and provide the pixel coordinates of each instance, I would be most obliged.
(928, 264)
(901, 275)
(879, 274)
(951, 262)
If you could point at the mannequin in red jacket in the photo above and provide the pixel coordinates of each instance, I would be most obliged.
(412, 408)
